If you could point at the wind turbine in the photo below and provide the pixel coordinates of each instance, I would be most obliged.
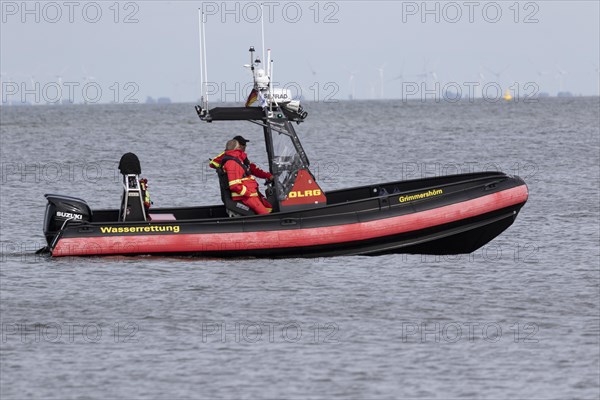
(498, 74)
(560, 76)
(303, 90)
(86, 79)
(541, 72)
(399, 76)
(423, 75)
(60, 84)
(434, 76)
(540, 75)
(312, 70)
(480, 83)
(380, 69)
(597, 76)
(10, 80)
(352, 83)
(428, 73)
(372, 86)
(36, 95)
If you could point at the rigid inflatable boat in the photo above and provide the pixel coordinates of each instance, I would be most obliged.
(439, 215)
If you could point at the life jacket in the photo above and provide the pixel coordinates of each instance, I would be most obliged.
(246, 176)
(219, 161)
(245, 165)
(145, 193)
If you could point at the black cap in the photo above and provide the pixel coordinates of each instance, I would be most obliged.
(241, 140)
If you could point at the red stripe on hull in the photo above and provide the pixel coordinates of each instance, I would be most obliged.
(206, 242)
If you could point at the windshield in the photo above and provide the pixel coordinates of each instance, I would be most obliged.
(286, 161)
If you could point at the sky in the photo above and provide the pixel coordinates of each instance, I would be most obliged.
(123, 52)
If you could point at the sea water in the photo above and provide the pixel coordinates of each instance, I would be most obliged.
(518, 318)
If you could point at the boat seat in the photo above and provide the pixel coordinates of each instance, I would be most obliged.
(132, 199)
(233, 208)
(162, 217)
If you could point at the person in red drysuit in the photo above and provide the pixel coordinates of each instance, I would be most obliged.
(240, 174)
(215, 163)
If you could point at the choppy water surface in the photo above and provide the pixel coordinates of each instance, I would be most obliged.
(518, 318)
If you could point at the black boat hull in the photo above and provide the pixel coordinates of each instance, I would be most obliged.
(444, 215)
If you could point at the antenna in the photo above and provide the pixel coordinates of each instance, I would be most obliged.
(270, 95)
(270, 76)
(268, 63)
(205, 65)
(201, 57)
(203, 68)
(262, 27)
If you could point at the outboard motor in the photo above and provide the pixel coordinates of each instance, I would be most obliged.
(62, 209)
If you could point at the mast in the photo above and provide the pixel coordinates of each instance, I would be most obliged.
(262, 27)
(270, 92)
(200, 15)
(203, 64)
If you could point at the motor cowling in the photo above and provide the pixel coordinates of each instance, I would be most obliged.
(61, 209)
